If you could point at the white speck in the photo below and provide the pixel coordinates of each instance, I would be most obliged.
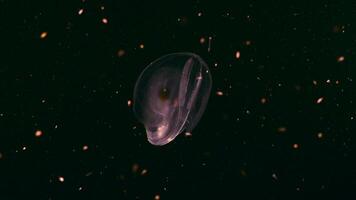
(188, 134)
(274, 176)
(209, 45)
(319, 100)
(80, 11)
(104, 21)
(237, 54)
(219, 93)
(61, 179)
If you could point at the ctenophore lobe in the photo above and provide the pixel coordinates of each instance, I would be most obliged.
(171, 95)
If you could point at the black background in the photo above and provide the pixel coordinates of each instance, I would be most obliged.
(73, 86)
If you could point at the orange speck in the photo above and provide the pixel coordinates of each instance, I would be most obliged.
(237, 54)
(281, 129)
(134, 168)
(43, 35)
(120, 53)
(295, 146)
(38, 133)
(142, 46)
(129, 103)
(104, 20)
(157, 197)
(202, 40)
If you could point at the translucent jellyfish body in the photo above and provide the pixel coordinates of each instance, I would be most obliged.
(171, 95)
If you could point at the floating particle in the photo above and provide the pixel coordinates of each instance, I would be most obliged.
(38, 133)
(295, 146)
(142, 46)
(328, 81)
(89, 174)
(104, 21)
(248, 42)
(200, 14)
(209, 46)
(24, 148)
(319, 100)
(134, 168)
(182, 20)
(315, 82)
(80, 12)
(237, 54)
(143, 172)
(320, 135)
(339, 29)
(102, 7)
(188, 134)
(85, 147)
(274, 176)
(61, 179)
(340, 59)
(157, 197)
(120, 53)
(202, 40)
(129, 103)
(219, 93)
(281, 129)
(43, 35)
(263, 100)
(243, 172)
(337, 82)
